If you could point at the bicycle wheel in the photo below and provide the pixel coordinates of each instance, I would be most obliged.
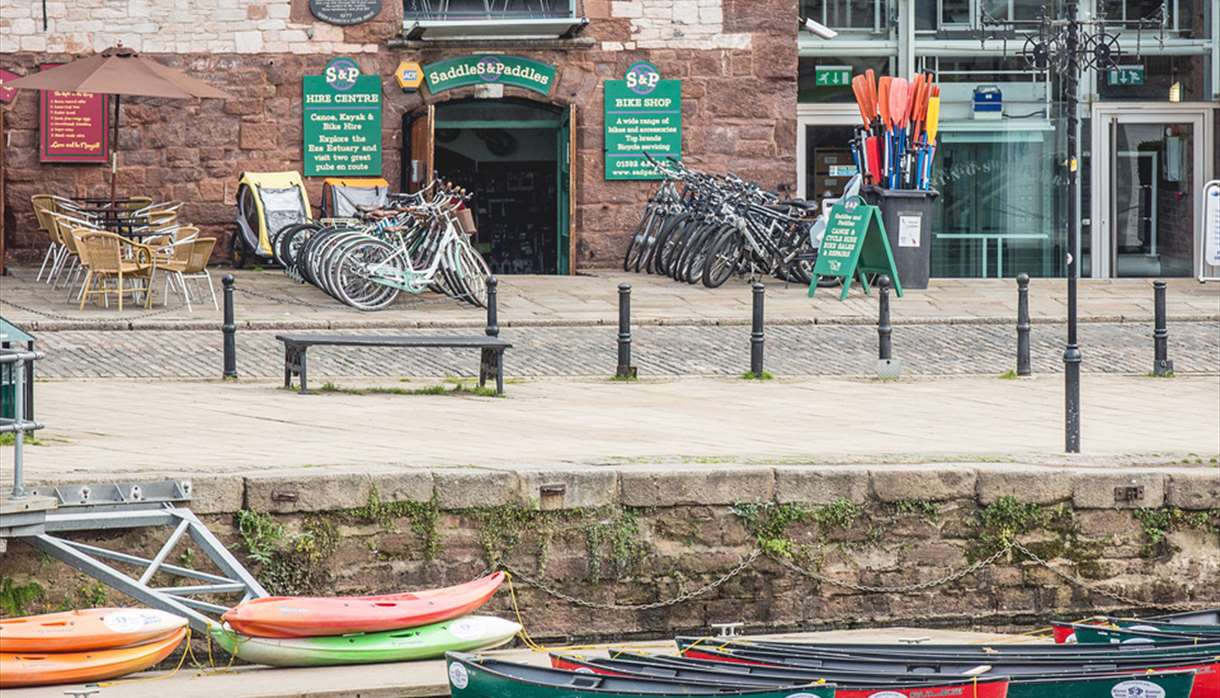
(722, 259)
(472, 272)
(356, 286)
(635, 247)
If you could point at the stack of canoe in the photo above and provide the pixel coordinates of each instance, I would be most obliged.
(87, 645)
(322, 631)
(1197, 626)
(729, 667)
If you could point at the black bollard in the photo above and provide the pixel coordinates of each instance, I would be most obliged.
(493, 320)
(1161, 365)
(625, 370)
(756, 332)
(885, 348)
(229, 330)
(1023, 363)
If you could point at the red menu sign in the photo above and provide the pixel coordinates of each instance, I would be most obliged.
(73, 126)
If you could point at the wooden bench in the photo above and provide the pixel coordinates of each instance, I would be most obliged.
(296, 345)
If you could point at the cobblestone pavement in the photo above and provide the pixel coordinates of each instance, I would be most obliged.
(657, 351)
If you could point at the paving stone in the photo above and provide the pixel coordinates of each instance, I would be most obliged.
(217, 494)
(1034, 486)
(404, 486)
(1095, 490)
(285, 491)
(1194, 489)
(821, 485)
(930, 483)
(653, 487)
(472, 488)
(582, 489)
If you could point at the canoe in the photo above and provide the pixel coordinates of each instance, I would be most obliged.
(35, 669)
(851, 687)
(1173, 684)
(473, 676)
(1206, 684)
(425, 642)
(304, 616)
(1041, 652)
(1202, 617)
(87, 629)
(1085, 634)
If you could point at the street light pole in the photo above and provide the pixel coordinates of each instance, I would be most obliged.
(1072, 356)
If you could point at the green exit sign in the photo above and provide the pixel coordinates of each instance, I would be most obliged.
(1125, 75)
(832, 75)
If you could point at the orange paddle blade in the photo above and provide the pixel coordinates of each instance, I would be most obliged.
(913, 88)
(861, 92)
(898, 101)
(883, 99)
(870, 80)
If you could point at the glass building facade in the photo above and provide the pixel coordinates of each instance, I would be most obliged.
(1147, 130)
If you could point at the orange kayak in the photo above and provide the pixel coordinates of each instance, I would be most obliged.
(289, 616)
(88, 629)
(32, 669)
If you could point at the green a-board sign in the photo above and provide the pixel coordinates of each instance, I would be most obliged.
(342, 121)
(854, 246)
(489, 69)
(643, 115)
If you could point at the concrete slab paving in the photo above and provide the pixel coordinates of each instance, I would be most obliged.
(421, 679)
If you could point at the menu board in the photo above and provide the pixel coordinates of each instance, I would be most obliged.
(73, 126)
(342, 129)
(643, 115)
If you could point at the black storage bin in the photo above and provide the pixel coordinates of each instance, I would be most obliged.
(907, 215)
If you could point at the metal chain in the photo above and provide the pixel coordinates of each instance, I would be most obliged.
(921, 586)
(745, 563)
(284, 299)
(85, 322)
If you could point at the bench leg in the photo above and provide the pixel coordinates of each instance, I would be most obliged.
(301, 369)
(500, 372)
(485, 365)
(287, 367)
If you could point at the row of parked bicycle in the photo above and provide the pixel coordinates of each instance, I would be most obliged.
(375, 248)
(700, 226)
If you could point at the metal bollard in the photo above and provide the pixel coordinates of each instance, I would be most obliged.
(493, 319)
(887, 365)
(1023, 327)
(229, 330)
(1161, 365)
(756, 332)
(625, 369)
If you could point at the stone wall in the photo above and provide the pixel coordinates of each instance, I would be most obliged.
(737, 60)
(638, 535)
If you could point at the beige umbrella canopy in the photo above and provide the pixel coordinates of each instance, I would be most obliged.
(119, 71)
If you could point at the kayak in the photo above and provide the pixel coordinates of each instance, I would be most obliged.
(87, 629)
(1203, 623)
(1203, 617)
(1116, 631)
(304, 616)
(1172, 684)
(425, 642)
(482, 677)
(1206, 684)
(850, 687)
(35, 669)
(1040, 652)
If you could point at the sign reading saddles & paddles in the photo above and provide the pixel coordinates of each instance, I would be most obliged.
(854, 246)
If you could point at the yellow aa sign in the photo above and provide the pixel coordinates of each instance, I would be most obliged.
(410, 75)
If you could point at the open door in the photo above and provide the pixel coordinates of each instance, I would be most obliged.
(566, 205)
(423, 141)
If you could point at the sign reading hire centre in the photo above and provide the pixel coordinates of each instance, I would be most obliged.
(643, 115)
(342, 129)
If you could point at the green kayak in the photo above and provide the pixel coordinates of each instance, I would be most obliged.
(424, 642)
(1102, 635)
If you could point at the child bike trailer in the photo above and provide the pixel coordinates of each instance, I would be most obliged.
(343, 197)
(267, 202)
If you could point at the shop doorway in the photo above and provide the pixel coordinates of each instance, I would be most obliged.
(516, 156)
(823, 153)
(1148, 175)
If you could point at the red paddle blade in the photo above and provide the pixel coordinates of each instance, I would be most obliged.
(873, 148)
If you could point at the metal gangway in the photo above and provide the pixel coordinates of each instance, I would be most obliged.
(40, 515)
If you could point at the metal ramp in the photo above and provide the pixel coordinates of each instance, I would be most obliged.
(40, 515)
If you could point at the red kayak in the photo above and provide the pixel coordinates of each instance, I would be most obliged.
(303, 616)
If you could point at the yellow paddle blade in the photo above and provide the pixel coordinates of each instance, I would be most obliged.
(933, 118)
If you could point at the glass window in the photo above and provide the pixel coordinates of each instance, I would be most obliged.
(955, 13)
(810, 90)
(1186, 18)
(997, 213)
(846, 14)
(1165, 79)
(488, 9)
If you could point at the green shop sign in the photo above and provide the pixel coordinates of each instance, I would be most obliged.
(489, 69)
(854, 246)
(342, 128)
(643, 115)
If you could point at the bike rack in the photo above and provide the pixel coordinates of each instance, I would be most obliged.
(36, 516)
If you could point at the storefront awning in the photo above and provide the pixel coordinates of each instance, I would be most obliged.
(503, 28)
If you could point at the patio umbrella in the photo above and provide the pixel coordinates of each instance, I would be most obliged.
(118, 71)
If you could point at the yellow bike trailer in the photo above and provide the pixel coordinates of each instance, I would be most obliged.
(267, 202)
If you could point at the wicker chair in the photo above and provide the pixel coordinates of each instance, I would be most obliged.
(113, 258)
(190, 261)
(44, 204)
(67, 260)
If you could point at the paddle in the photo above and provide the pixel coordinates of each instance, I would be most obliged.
(933, 124)
(898, 111)
(883, 107)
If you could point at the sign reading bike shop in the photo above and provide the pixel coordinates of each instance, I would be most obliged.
(489, 69)
(342, 127)
(643, 115)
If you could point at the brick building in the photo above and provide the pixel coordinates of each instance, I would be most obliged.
(736, 60)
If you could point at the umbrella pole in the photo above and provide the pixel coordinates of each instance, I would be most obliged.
(114, 154)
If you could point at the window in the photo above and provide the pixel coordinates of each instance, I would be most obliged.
(847, 14)
(931, 15)
(457, 10)
(1186, 18)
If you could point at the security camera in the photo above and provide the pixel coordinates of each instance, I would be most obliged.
(820, 29)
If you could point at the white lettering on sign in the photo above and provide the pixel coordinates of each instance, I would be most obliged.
(1211, 222)
(1137, 689)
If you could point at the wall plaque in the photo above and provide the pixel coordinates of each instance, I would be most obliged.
(345, 12)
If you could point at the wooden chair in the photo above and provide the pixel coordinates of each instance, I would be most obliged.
(109, 261)
(43, 204)
(190, 261)
(135, 203)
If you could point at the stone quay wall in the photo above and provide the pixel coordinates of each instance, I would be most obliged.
(736, 58)
(639, 535)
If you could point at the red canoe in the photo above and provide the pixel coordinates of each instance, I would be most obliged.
(303, 616)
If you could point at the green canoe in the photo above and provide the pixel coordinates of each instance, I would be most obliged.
(1169, 684)
(424, 642)
(1101, 635)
